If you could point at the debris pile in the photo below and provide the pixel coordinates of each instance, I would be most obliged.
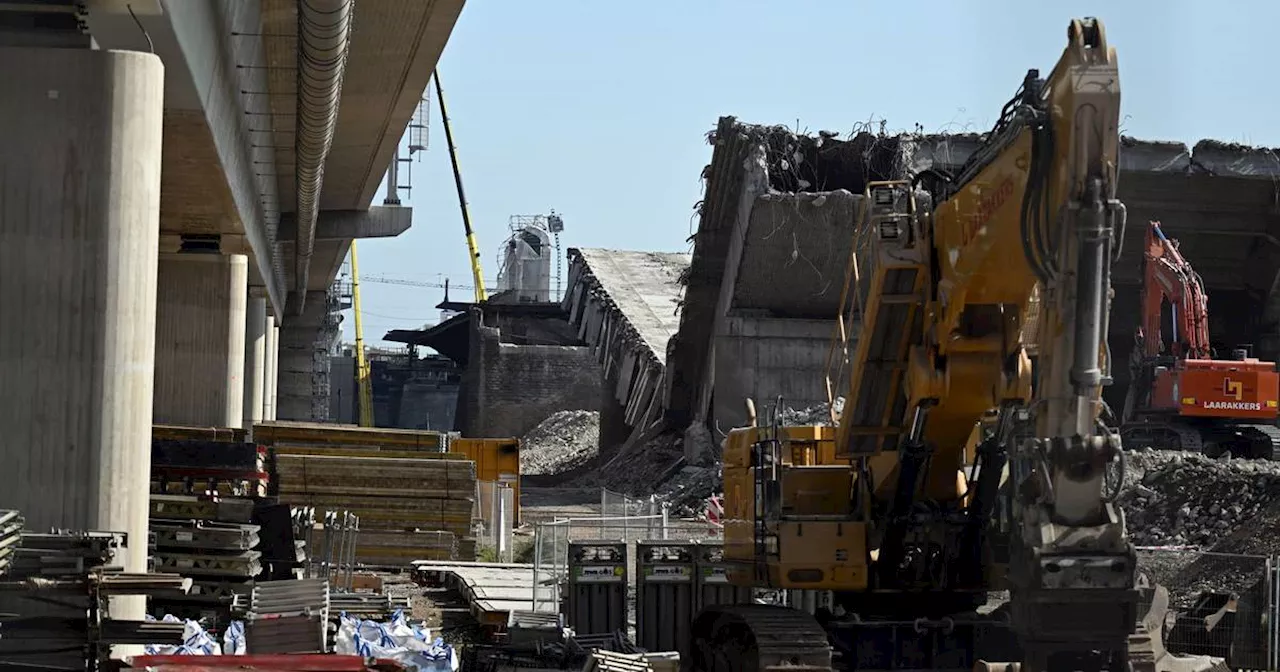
(640, 468)
(563, 442)
(818, 415)
(689, 490)
(1176, 499)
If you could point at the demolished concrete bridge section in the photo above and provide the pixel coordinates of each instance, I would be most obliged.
(778, 221)
(624, 305)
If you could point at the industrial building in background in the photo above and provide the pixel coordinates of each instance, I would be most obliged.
(524, 264)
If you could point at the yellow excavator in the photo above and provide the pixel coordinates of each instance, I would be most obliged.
(960, 513)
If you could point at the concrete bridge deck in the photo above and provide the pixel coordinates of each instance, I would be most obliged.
(625, 307)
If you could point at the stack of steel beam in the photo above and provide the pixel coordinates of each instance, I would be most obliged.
(54, 603)
(211, 540)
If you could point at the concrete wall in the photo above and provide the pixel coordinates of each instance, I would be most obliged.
(509, 389)
(428, 406)
(200, 339)
(763, 357)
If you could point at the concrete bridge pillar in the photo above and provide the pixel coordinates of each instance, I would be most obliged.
(79, 232)
(255, 360)
(302, 376)
(272, 351)
(200, 339)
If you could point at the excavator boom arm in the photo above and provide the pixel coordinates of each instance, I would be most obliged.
(1167, 276)
(1033, 210)
(946, 444)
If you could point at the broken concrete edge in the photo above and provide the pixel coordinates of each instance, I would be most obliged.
(585, 286)
(899, 155)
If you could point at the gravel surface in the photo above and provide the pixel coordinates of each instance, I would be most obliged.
(563, 442)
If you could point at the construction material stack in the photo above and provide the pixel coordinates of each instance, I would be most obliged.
(289, 617)
(206, 459)
(214, 542)
(55, 593)
(414, 501)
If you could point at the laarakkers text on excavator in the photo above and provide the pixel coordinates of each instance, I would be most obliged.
(909, 512)
(1180, 396)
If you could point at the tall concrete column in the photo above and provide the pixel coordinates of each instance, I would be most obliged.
(79, 230)
(269, 379)
(275, 372)
(255, 359)
(200, 330)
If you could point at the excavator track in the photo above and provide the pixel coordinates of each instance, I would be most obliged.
(757, 638)
(1255, 441)
(1266, 440)
(761, 638)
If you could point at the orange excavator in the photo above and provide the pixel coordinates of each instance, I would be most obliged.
(1181, 397)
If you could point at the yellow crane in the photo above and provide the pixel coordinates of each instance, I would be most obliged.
(364, 381)
(473, 250)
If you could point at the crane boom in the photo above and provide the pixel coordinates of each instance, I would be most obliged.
(886, 517)
(473, 250)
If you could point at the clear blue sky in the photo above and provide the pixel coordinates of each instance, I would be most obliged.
(599, 108)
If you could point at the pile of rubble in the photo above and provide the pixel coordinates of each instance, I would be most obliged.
(563, 442)
(1186, 499)
(819, 415)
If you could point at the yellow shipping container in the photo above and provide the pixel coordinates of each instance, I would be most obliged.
(497, 461)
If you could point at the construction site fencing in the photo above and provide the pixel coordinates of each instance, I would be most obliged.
(1223, 605)
(551, 546)
(625, 507)
(494, 516)
(625, 519)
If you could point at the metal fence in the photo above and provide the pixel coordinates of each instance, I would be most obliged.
(1222, 605)
(623, 518)
(551, 545)
(494, 517)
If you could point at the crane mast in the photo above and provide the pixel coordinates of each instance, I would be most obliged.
(364, 380)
